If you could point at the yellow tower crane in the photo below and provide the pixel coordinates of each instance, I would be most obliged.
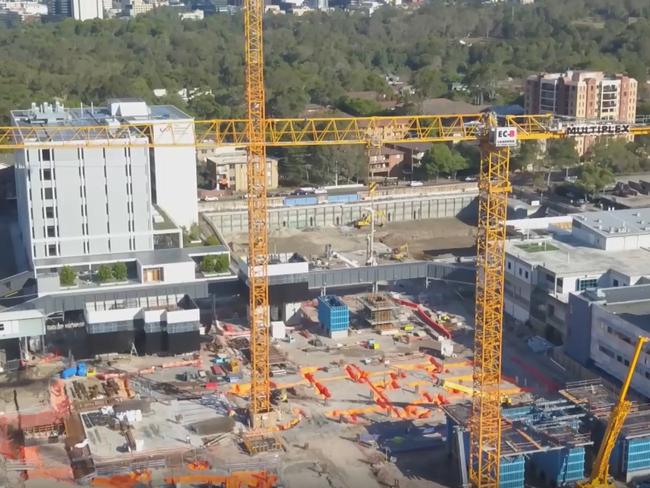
(599, 477)
(258, 254)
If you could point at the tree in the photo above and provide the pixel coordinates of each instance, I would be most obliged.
(212, 241)
(594, 178)
(215, 263)
(617, 155)
(105, 273)
(67, 276)
(561, 153)
(208, 263)
(222, 263)
(441, 159)
(119, 271)
(526, 157)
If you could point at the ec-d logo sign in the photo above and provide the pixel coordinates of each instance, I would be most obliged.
(505, 136)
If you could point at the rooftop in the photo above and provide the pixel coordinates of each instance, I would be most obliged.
(117, 114)
(146, 258)
(636, 313)
(570, 257)
(619, 223)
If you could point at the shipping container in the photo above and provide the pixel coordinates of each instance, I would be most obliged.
(298, 201)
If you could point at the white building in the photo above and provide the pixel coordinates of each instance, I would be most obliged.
(23, 10)
(87, 9)
(193, 15)
(86, 201)
(603, 326)
(601, 250)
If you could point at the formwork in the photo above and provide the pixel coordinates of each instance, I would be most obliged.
(631, 455)
(379, 309)
(334, 315)
(549, 433)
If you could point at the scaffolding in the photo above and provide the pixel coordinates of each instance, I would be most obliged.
(631, 456)
(379, 310)
(552, 434)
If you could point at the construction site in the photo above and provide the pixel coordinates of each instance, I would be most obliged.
(335, 353)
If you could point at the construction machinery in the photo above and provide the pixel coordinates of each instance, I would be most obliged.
(400, 253)
(258, 251)
(599, 477)
(366, 219)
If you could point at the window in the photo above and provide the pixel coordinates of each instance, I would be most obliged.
(51, 231)
(47, 174)
(2, 327)
(46, 155)
(550, 278)
(48, 193)
(49, 212)
(526, 274)
(614, 282)
(585, 284)
(520, 271)
(51, 250)
(606, 351)
(509, 265)
(626, 362)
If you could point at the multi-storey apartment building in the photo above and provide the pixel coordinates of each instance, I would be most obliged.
(83, 201)
(590, 95)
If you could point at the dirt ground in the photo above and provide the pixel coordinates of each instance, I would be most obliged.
(424, 238)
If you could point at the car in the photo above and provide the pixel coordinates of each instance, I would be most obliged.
(471, 178)
(416, 183)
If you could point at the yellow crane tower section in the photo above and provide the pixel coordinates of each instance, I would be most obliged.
(258, 281)
(599, 477)
(485, 420)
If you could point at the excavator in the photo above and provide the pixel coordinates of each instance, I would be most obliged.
(366, 220)
(600, 477)
(400, 253)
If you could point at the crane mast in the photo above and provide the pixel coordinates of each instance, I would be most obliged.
(485, 420)
(258, 282)
(600, 471)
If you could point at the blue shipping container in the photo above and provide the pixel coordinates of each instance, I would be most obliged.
(296, 201)
(347, 198)
(333, 314)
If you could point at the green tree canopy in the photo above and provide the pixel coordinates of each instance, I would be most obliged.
(594, 178)
(561, 154)
(67, 276)
(105, 273)
(616, 155)
(441, 159)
